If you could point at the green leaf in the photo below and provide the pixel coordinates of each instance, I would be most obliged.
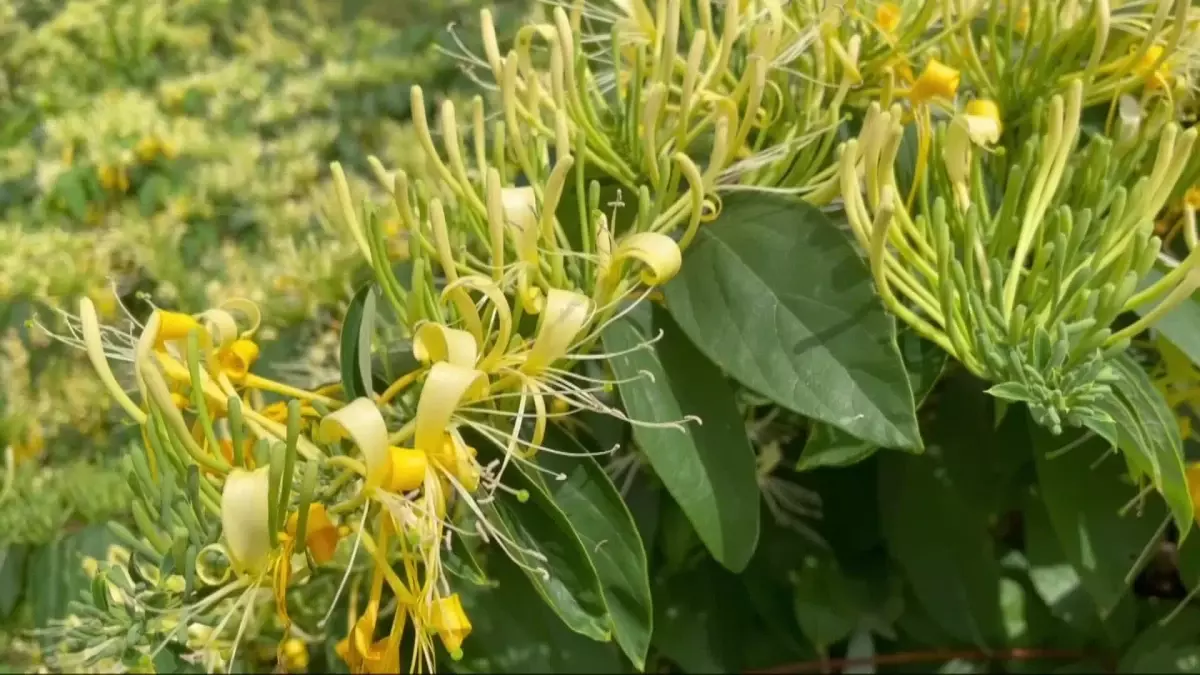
(777, 297)
(1165, 648)
(56, 572)
(511, 634)
(709, 468)
(355, 350)
(12, 575)
(70, 187)
(607, 530)
(1181, 325)
(1147, 433)
(1083, 491)
(827, 608)
(952, 565)
(566, 579)
(829, 446)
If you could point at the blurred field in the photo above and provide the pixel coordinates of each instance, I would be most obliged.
(174, 153)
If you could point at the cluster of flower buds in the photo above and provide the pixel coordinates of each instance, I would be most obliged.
(1022, 279)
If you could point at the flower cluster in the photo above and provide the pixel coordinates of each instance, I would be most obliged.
(498, 260)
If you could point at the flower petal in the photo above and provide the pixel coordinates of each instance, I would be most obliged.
(244, 519)
(362, 422)
(658, 252)
(90, 324)
(564, 316)
(445, 388)
(434, 342)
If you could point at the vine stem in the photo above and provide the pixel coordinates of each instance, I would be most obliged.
(902, 658)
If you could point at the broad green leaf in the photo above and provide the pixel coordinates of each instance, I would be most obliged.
(935, 513)
(1181, 325)
(1147, 433)
(355, 351)
(607, 530)
(1165, 648)
(514, 633)
(826, 605)
(12, 576)
(709, 467)
(830, 446)
(566, 578)
(777, 297)
(55, 572)
(1083, 492)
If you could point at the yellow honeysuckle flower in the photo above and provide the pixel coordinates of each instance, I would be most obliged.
(888, 15)
(146, 149)
(565, 315)
(237, 359)
(361, 421)
(434, 342)
(984, 115)
(450, 622)
(446, 388)
(295, 654)
(937, 81)
(321, 536)
(244, 520)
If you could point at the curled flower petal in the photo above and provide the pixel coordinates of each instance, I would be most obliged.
(90, 324)
(244, 519)
(658, 252)
(564, 316)
(495, 295)
(520, 207)
(247, 308)
(445, 388)
(434, 342)
(983, 110)
(221, 325)
(361, 421)
(238, 357)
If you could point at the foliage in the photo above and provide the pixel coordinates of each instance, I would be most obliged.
(708, 337)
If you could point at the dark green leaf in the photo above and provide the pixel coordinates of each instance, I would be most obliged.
(778, 298)
(355, 349)
(827, 608)
(830, 446)
(935, 514)
(1148, 435)
(709, 468)
(12, 576)
(1165, 648)
(1083, 491)
(56, 572)
(512, 633)
(566, 579)
(608, 532)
